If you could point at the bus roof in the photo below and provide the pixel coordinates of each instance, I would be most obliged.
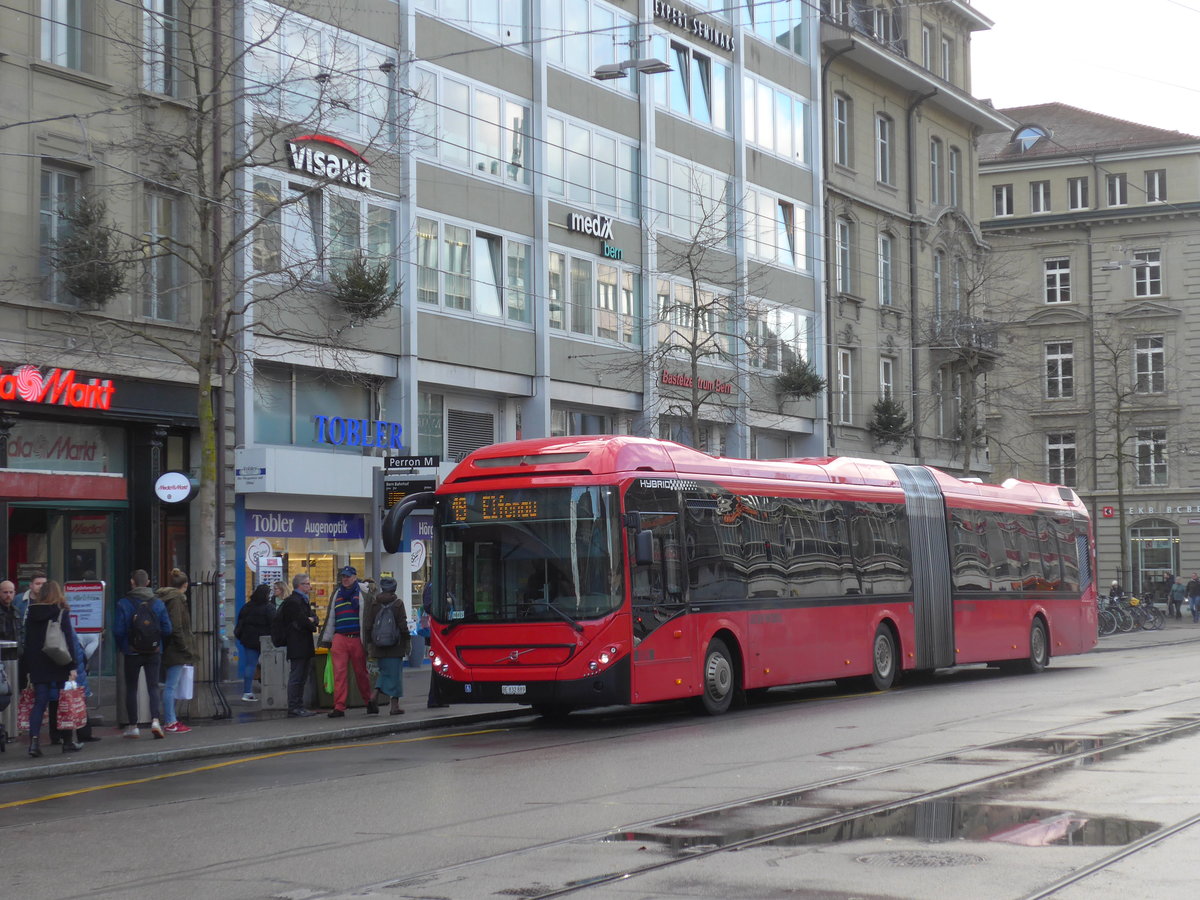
(599, 455)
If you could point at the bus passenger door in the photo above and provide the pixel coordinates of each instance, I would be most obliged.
(663, 629)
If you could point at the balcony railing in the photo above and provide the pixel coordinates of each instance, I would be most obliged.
(882, 26)
(957, 331)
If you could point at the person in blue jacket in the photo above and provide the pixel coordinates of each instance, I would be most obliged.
(140, 645)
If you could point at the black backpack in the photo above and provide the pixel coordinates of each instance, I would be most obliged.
(279, 629)
(386, 630)
(145, 635)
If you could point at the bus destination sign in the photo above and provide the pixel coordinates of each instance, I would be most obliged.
(492, 508)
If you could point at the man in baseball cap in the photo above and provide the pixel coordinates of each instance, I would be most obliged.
(344, 634)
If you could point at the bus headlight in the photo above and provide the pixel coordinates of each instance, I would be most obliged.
(437, 662)
(604, 658)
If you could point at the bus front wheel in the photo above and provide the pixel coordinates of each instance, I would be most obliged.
(720, 678)
(883, 658)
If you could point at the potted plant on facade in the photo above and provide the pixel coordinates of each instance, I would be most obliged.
(889, 425)
(799, 380)
(87, 258)
(363, 291)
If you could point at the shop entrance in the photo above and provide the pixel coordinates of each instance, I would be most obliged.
(75, 545)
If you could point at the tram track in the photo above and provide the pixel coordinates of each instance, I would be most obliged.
(434, 881)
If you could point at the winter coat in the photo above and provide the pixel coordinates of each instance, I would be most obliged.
(179, 648)
(10, 630)
(42, 669)
(127, 606)
(374, 604)
(299, 623)
(253, 623)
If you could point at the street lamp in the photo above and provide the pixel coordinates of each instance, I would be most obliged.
(611, 71)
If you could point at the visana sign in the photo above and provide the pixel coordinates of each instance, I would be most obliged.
(59, 387)
(305, 155)
(598, 225)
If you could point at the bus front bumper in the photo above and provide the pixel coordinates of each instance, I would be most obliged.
(607, 688)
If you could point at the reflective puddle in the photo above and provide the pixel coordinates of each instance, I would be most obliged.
(931, 821)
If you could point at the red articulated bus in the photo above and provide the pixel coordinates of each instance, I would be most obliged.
(590, 571)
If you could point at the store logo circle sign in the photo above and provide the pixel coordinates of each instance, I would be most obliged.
(57, 387)
(173, 487)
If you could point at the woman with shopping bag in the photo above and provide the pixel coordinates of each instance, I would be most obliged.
(179, 648)
(49, 660)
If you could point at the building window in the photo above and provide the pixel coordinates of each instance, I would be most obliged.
(927, 47)
(1151, 456)
(62, 33)
(568, 422)
(482, 131)
(784, 25)
(935, 171)
(776, 120)
(1077, 190)
(1156, 185)
(288, 400)
(778, 336)
(1058, 280)
(955, 177)
(693, 323)
(1150, 365)
(947, 59)
(776, 229)
(843, 266)
(884, 146)
(1147, 273)
(161, 249)
(1002, 200)
(504, 22)
(592, 299)
(595, 35)
(160, 64)
(697, 87)
(1118, 190)
(1060, 458)
(592, 167)
(431, 425)
(59, 193)
(887, 378)
(939, 282)
(887, 247)
(1060, 370)
(1039, 196)
(841, 130)
(845, 386)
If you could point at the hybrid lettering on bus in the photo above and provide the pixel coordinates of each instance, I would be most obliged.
(591, 571)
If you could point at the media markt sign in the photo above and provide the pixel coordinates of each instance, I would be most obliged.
(58, 387)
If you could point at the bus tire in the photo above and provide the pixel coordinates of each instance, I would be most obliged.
(884, 658)
(720, 681)
(1039, 649)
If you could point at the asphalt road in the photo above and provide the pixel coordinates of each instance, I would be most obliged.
(944, 789)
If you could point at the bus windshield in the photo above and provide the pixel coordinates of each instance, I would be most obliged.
(528, 554)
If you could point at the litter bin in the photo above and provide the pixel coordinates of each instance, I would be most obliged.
(324, 697)
(273, 670)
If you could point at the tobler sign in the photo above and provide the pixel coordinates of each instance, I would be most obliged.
(58, 387)
(312, 155)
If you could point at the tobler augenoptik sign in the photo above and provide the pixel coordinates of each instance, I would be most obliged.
(314, 154)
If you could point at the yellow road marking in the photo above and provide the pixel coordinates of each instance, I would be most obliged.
(240, 761)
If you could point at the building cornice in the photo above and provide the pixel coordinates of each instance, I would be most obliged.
(1086, 217)
(1069, 157)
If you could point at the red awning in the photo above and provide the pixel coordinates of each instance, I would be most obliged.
(19, 484)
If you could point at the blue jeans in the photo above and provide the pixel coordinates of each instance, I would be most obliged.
(249, 664)
(43, 696)
(170, 686)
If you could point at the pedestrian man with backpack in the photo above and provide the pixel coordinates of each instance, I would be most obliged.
(388, 642)
(293, 627)
(343, 634)
(140, 626)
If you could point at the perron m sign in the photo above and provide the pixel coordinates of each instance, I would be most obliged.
(312, 154)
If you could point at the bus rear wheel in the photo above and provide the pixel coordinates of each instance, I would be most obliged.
(720, 678)
(883, 659)
(1039, 649)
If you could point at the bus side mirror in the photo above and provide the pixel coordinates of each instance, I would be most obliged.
(644, 548)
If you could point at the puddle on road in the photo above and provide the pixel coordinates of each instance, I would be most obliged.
(932, 822)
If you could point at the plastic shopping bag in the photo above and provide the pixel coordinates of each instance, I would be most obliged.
(187, 683)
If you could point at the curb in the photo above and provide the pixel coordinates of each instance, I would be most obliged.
(248, 745)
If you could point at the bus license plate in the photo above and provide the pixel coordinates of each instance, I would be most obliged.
(512, 690)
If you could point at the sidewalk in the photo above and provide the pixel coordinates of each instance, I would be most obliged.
(251, 729)
(254, 730)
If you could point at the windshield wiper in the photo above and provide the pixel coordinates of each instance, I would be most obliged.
(562, 615)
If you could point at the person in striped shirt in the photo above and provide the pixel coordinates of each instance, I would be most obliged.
(344, 635)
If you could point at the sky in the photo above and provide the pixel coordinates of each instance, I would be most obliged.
(1135, 60)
